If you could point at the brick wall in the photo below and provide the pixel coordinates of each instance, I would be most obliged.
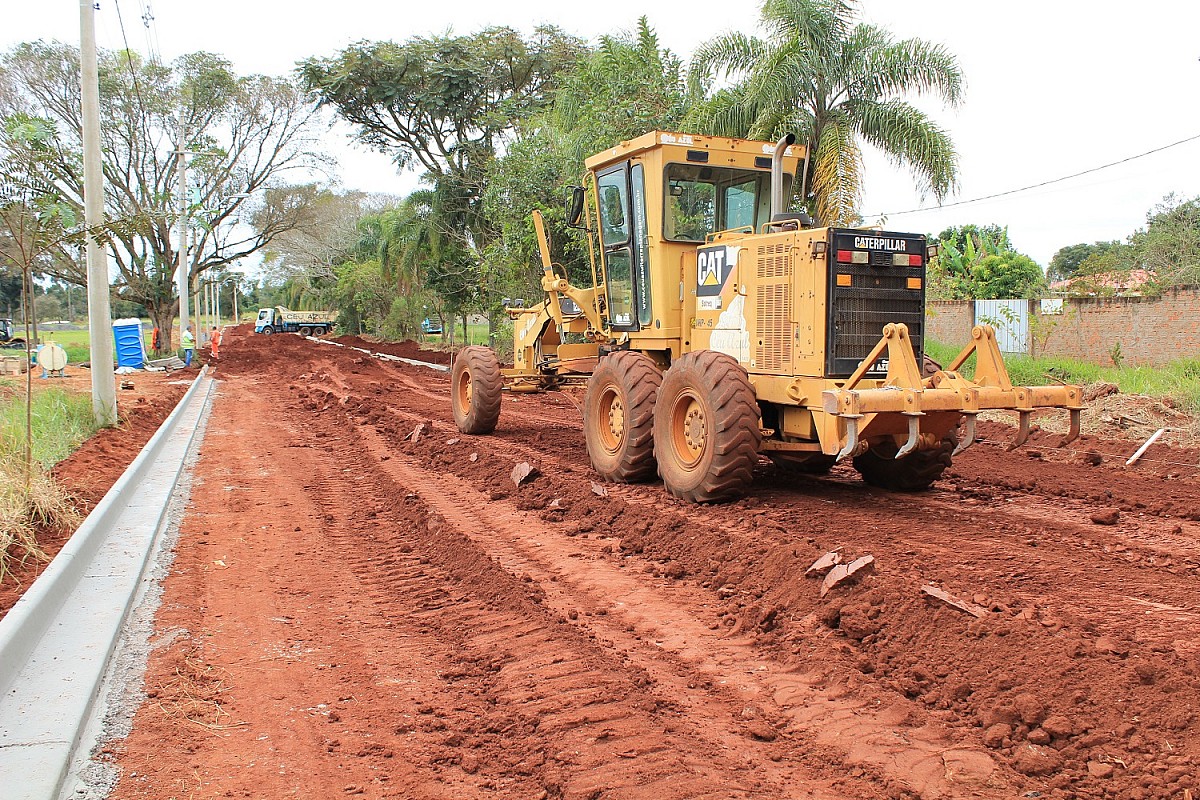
(949, 321)
(1150, 330)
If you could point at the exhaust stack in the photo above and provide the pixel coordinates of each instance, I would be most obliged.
(777, 205)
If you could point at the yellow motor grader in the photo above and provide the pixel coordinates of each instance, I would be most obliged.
(719, 328)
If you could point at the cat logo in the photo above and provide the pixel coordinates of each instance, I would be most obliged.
(713, 265)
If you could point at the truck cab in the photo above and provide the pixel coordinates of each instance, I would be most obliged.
(266, 322)
(8, 337)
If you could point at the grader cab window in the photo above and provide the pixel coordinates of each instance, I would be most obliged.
(627, 295)
(701, 200)
(613, 200)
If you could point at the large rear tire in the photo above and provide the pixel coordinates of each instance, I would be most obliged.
(618, 416)
(305, 330)
(913, 473)
(706, 428)
(475, 387)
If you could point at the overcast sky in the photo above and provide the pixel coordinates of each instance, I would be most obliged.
(1054, 87)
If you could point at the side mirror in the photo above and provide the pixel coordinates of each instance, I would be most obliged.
(575, 207)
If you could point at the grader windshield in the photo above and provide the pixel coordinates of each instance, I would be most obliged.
(701, 200)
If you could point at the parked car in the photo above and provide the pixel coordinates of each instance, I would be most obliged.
(430, 326)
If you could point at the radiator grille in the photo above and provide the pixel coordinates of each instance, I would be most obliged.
(877, 295)
(773, 309)
(774, 261)
(774, 312)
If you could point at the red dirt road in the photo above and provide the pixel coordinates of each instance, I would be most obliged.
(363, 603)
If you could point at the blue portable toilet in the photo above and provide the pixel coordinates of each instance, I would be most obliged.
(130, 347)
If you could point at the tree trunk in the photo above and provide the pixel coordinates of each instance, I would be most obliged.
(163, 316)
(466, 340)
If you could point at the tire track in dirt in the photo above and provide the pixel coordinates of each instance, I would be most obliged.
(593, 711)
(920, 758)
(649, 622)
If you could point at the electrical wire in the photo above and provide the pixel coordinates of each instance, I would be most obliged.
(1037, 185)
(137, 86)
(153, 46)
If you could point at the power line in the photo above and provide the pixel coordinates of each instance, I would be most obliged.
(1038, 185)
(152, 44)
(137, 87)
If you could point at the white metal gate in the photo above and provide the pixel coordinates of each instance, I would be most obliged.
(1010, 318)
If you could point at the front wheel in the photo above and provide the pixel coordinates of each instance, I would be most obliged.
(618, 416)
(475, 387)
(706, 428)
(913, 473)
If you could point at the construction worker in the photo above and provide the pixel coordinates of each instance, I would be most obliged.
(215, 340)
(188, 342)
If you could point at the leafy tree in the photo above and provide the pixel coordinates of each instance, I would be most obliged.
(1006, 275)
(246, 133)
(326, 233)
(979, 262)
(1067, 261)
(444, 103)
(628, 85)
(1167, 249)
(835, 84)
(10, 289)
(1169, 245)
(363, 296)
(990, 238)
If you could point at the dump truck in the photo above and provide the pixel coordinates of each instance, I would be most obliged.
(305, 323)
(720, 328)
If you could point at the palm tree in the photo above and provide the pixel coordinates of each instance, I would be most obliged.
(835, 84)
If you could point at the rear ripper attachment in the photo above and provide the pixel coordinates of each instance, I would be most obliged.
(720, 327)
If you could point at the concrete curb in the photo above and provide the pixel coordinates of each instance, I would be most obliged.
(382, 356)
(56, 642)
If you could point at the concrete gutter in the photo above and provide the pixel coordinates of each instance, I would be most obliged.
(56, 642)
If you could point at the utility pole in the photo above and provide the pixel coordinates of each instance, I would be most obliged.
(183, 279)
(104, 392)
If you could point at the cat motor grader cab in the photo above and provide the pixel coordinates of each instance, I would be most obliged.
(719, 328)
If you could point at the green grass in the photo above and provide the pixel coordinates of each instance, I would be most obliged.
(61, 421)
(1179, 380)
(476, 334)
(77, 343)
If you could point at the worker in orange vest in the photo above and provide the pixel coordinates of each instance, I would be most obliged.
(216, 341)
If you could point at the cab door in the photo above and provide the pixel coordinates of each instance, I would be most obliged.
(621, 197)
